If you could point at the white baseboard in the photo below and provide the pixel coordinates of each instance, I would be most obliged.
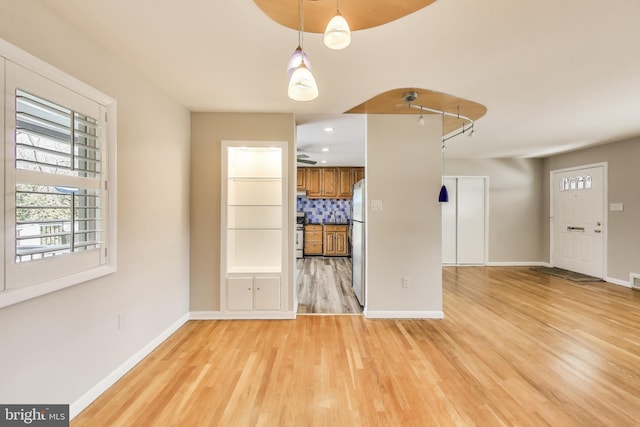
(519, 264)
(404, 314)
(242, 315)
(617, 282)
(85, 400)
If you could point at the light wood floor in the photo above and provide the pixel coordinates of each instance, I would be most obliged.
(516, 348)
(323, 285)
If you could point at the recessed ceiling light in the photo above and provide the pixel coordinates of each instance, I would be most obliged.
(329, 129)
(323, 161)
(325, 149)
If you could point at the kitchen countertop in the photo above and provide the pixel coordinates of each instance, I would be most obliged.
(327, 223)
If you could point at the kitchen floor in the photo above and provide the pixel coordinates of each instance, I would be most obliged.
(323, 285)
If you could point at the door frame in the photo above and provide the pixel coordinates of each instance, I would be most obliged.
(605, 210)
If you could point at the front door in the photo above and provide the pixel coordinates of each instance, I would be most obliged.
(577, 220)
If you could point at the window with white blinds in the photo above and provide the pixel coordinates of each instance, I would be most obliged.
(53, 140)
(59, 212)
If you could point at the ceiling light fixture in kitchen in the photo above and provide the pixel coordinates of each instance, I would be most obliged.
(421, 119)
(302, 84)
(338, 34)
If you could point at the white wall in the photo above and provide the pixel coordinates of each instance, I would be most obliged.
(404, 239)
(56, 347)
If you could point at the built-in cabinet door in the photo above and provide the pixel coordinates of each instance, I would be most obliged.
(240, 293)
(266, 293)
(464, 221)
(248, 293)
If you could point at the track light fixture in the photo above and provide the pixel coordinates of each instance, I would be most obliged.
(337, 34)
(472, 132)
(302, 84)
(409, 97)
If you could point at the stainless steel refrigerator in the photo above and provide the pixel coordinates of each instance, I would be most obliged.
(357, 240)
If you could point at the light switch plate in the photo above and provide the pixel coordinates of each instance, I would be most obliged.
(376, 205)
(616, 207)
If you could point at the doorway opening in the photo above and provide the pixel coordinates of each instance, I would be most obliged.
(331, 157)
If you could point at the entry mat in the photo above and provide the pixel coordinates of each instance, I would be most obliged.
(566, 274)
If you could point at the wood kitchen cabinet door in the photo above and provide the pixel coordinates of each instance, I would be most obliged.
(346, 183)
(358, 174)
(330, 179)
(341, 244)
(314, 182)
(329, 243)
(301, 184)
(335, 240)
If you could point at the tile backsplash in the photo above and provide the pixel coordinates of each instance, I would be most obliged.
(318, 211)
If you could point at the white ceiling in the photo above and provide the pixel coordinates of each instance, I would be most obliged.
(554, 75)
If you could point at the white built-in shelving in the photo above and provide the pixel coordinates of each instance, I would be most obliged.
(254, 225)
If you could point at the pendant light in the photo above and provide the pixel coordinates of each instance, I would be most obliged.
(302, 84)
(296, 59)
(443, 197)
(338, 34)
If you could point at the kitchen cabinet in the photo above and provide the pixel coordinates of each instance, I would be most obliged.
(314, 182)
(248, 293)
(330, 179)
(301, 184)
(358, 174)
(329, 182)
(335, 240)
(345, 188)
(313, 239)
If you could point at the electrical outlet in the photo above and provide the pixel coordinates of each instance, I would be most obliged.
(122, 321)
(405, 282)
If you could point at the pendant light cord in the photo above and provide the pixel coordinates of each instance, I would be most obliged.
(301, 32)
(442, 150)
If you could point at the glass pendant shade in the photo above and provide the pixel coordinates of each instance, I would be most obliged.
(443, 197)
(302, 85)
(296, 59)
(337, 35)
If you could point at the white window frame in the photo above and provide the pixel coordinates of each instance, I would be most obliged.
(41, 280)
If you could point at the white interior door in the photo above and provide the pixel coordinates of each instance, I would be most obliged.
(577, 220)
(464, 221)
(471, 220)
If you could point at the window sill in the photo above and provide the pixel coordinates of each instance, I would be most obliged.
(14, 296)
